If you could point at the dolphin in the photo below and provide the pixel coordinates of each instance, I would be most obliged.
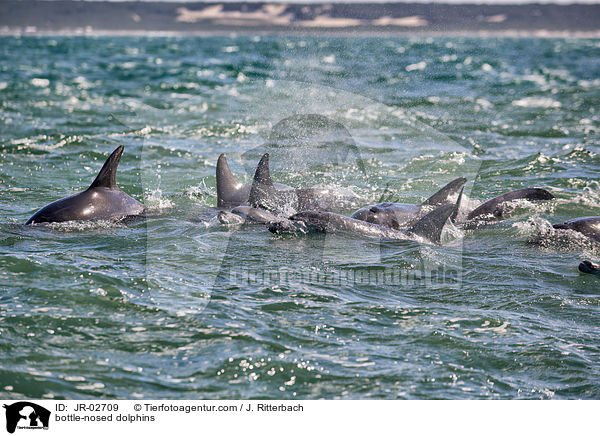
(496, 207)
(230, 192)
(265, 194)
(588, 226)
(398, 215)
(246, 214)
(103, 200)
(428, 227)
(588, 267)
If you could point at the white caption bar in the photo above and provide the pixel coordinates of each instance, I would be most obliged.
(44, 417)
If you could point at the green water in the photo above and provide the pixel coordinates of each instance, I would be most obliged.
(178, 306)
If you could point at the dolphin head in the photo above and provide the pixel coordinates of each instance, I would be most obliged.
(312, 221)
(287, 226)
(588, 267)
(390, 215)
(380, 214)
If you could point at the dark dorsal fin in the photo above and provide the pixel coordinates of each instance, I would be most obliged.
(107, 177)
(457, 206)
(441, 197)
(262, 174)
(262, 185)
(431, 225)
(227, 184)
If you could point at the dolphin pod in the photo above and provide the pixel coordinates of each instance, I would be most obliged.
(265, 194)
(313, 210)
(428, 228)
(395, 215)
(398, 215)
(102, 200)
(263, 201)
(313, 207)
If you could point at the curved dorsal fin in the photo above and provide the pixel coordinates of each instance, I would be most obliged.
(262, 174)
(454, 215)
(107, 177)
(227, 184)
(431, 225)
(262, 184)
(441, 197)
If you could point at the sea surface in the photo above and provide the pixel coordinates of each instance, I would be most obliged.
(179, 306)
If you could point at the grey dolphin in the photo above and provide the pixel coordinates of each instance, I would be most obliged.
(588, 226)
(398, 215)
(588, 267)
(102, 200)
(230, 192)
(496, 207)
(428, 227)
(265, 194)
(246, 214)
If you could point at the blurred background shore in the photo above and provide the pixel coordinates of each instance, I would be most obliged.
(98, 17)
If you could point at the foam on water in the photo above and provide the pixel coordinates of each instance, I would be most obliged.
(155, 201)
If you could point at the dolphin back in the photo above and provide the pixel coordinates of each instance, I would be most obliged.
(494, 206)
(58, 211)
(94, 204)
(588, 226)
(102, 200)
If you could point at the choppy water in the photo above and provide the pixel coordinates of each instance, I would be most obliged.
(178, 306)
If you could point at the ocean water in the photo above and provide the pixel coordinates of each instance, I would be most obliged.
(177, 305)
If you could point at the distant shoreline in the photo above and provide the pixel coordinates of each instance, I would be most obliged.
(291, 32)
(72, 17)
